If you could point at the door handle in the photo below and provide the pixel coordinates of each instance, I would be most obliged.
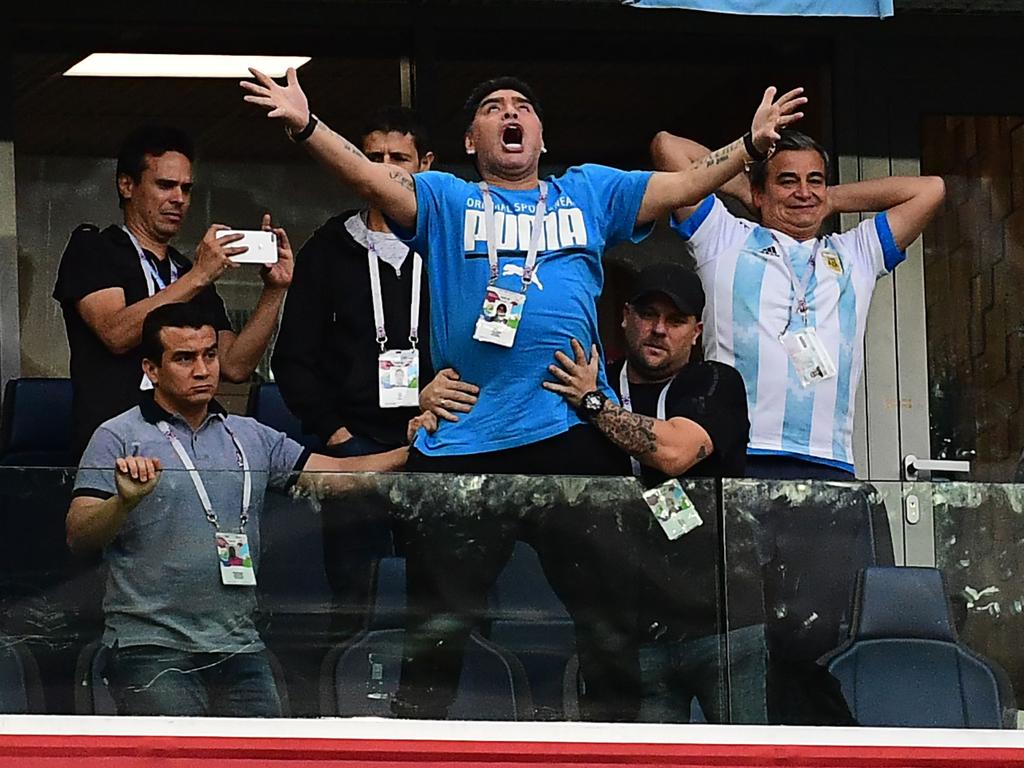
(913, 467)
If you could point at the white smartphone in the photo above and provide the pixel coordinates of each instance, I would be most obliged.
(262, 246)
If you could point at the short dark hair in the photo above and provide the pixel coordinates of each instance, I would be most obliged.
(398, 120)
(504, 83)
(152, 140)
(788, 140)
(174, 315)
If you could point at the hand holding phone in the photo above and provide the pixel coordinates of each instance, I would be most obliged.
(262, 246)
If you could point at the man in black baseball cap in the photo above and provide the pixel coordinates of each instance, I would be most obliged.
(677, 418)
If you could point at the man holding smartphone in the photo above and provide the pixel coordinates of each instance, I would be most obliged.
(109, 280)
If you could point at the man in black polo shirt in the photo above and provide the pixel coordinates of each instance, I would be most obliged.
(678, 419)
(109, 280)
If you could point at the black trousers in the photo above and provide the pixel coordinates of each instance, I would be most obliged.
(453, 561)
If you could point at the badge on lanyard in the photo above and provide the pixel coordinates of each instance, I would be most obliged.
(811, 360)
(672, 509)
(235, 560)
(399, 378)
(398, 370)
(500, 316)
(233, 553)
(502, 309)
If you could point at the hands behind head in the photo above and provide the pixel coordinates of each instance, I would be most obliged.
(286, 102)
(135, 477)
(576, 377)
(771, 116)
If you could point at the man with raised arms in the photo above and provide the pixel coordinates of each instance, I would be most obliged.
(534, 245)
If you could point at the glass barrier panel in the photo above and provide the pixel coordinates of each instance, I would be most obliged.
(792, 554)
(979, 529)
(490, 597)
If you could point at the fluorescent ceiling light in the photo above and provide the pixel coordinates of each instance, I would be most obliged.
(180, 65)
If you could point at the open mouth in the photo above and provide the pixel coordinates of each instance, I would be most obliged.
(512, 137)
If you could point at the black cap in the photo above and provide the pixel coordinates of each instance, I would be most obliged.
(680, 284)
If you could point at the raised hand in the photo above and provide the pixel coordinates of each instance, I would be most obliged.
(278, 275)
(135, 477)
(287, 102)
(773, 114)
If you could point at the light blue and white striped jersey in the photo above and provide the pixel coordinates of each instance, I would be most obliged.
(749, 297)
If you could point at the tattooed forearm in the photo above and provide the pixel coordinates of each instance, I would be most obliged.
(403, 178)
(350, 147)
(632, 432)
(719, 156)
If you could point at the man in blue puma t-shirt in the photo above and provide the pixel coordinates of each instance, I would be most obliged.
(536, 246)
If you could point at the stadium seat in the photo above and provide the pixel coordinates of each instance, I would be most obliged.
(36, 423)
(267, 406)
(903, 664)
(529, 620)
(21, 692)
(360, 678)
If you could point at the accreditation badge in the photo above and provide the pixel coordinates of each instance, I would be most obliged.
(235, 560)
(811, 360)
(672, 509)
(499, 317)
(832, 260)
(398, 378)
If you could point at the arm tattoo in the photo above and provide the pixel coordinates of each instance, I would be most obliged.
(349, 146)
(631, 432)
(402, 177)
(719, 156)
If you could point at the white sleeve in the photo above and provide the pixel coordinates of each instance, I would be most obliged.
(712, 230)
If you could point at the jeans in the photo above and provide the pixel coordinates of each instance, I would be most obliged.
(152, 680)
(672, 673)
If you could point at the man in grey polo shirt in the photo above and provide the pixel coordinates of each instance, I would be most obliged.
(180, 602)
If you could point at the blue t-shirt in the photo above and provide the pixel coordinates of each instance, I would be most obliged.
(589, 209)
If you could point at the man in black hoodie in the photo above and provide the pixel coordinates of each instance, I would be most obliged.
(354, 331)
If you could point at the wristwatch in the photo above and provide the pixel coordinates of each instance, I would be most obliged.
(591, 404)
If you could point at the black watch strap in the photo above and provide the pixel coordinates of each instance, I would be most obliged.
(306, 132)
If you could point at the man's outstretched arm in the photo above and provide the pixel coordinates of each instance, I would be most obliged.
(676, 153)
(383, 186)
(668, 191)
(910, 202)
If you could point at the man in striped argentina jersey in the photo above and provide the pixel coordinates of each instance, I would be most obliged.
(769, 281)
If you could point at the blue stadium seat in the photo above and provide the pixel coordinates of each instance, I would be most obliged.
(903, 664)
(21, 692)
(36, 423)
(92, 694)
(529, 620)
(267, 406)
(359, 678)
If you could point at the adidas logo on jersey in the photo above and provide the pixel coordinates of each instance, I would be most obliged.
(769, 251)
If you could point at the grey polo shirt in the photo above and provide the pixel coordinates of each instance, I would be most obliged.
(163, 585)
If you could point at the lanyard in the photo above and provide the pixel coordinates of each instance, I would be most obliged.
(492, 245)
(378, 299)
(197, 481)
(154, 282)
(627, 404)
(799, 286)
